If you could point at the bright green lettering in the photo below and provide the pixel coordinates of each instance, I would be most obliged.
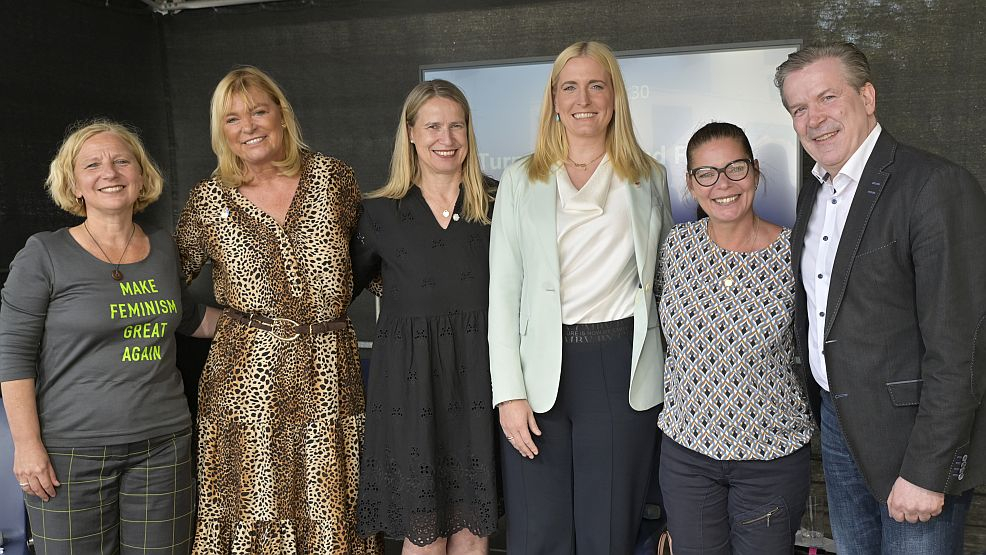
(133, 354)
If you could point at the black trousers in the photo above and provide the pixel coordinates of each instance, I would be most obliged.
(733, 507)
(584, 492)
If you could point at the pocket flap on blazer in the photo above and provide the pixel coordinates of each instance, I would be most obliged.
(906, 393)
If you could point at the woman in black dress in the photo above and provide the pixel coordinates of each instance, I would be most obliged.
(428, 469)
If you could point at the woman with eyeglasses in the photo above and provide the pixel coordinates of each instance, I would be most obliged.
(734, 468)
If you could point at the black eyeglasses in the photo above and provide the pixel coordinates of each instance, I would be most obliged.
(707, 176)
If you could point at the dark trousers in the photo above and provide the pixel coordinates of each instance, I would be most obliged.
(584, 492)
(733, 507)
(119, 499)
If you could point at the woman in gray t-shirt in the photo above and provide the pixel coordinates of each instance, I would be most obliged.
(97, 411)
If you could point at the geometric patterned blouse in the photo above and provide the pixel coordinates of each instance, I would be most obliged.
(731, 391)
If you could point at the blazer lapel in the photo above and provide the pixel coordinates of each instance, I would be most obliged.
(868, 192)
(641, 209)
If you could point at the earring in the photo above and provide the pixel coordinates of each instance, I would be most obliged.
(81, 200)
(557, 117)
(284, 124)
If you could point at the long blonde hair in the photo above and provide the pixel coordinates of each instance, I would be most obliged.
(405, 169)
(230, 170)
(629, 161)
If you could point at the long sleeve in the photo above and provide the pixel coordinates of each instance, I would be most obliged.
(506, 281)
(947, 234)
(364, 253)
(190, 239)
(26, 295)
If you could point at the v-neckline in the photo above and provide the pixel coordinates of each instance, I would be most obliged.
(254, 207)
(433, 218)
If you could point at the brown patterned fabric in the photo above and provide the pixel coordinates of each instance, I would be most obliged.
(280, 422)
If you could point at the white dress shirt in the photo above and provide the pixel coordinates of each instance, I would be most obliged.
(822, 237)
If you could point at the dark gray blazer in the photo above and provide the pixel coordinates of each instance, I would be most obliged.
(905, 322)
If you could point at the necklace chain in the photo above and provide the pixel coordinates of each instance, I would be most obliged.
(727, 279)
(585, 166)
(117, 274)
(447, 211)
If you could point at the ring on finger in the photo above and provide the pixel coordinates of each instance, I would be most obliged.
(510, 438)
(25, 484)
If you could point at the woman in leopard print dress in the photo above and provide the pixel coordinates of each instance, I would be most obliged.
(281, 408)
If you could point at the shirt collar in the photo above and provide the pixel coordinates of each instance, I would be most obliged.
(853, 168)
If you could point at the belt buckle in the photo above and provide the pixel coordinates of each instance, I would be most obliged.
(281, 322)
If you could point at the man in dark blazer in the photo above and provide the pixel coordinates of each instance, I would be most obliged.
(889, 252)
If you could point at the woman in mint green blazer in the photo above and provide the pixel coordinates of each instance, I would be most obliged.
(575, 347)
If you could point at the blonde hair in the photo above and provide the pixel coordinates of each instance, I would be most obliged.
(61, 171)
(629, 161)
(230, 170)
(404, 167)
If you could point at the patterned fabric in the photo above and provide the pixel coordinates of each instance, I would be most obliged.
(429, 464)
(130, 498)
(730, 391)
(280, 422)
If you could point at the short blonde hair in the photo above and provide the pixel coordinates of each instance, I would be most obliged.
(404, 167)
(629, 160)
(61, 171)
(230, 170)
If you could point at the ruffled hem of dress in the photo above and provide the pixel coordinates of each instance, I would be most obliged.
(422, 541)
(286, 536)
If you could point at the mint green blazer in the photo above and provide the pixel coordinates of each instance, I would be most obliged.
(525, 302)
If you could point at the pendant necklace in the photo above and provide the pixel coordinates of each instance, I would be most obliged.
(455, 215)
(117, 274)
(728, 280)
(447, 211)
(585, 166)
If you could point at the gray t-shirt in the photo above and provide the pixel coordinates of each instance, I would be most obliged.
(102, 351)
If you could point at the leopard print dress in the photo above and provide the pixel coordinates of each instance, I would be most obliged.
(280, 422)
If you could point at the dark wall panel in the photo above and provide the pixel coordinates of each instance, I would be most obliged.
(61, 61)
(347, 77)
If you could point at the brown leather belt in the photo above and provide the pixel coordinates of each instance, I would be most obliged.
(285, 329)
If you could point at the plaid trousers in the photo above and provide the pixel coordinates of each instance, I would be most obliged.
(129, 498)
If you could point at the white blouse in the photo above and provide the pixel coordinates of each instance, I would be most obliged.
(595, 248)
